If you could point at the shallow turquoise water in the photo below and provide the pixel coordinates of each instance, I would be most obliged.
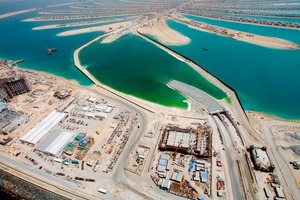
(266, 79)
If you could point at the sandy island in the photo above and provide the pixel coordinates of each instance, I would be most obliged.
(58, 5)
(105, 28)
(260, 40)
(53, 26)
(17, 13)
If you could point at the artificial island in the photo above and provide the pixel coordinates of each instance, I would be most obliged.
(61, 140)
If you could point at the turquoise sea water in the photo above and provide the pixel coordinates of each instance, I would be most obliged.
(136, 67)
(21, 42)
(266, 79)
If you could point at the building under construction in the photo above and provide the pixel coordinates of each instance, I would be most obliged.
(191, 141)
(260, 159)
(12, 86)
(10, 119)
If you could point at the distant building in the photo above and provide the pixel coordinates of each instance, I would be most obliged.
(11, 87)
(3, 94)
(62, 94)
(18, 86)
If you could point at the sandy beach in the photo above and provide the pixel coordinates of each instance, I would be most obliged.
(53, 26)
(17, 13)
(105, 28)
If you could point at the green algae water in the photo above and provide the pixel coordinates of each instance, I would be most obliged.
(136, 67)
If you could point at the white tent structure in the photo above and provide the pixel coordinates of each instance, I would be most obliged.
(35, 134)
(54, 142)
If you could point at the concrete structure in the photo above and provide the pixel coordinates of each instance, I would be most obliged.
(196, 142)
(260, 159)
(54, 142)
(3, 94)
(13, 87)
(34, 135)
(3, 106)
(179, 139)
(62, 94)
(208, 101)
(10, 120)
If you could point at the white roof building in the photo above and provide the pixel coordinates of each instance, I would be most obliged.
(101, 107)
(54, 142)
(92, 99)
(35, 134)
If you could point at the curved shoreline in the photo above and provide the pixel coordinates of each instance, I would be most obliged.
(98, 83)
(200, 70)
(230, 92)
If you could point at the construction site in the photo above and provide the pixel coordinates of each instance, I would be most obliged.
(190, 141)
(137, 159)
(12, 83)
(182, 164)
(260, 159)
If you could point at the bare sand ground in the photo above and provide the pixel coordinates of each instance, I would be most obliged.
(52, 26)
(63, 4)
(156, 27)
(16, 13)
(159, 29)
(286, 135)
(260, 40)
